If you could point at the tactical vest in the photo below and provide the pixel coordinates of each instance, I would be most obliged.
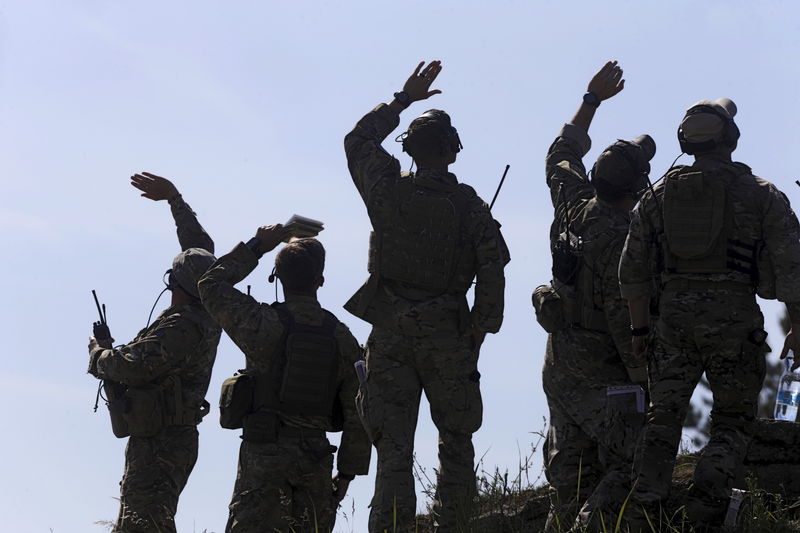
(575, 268)
(701, 232)
(303, 376)
(425, 243)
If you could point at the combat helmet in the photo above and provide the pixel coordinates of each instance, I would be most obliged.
(187, 269)
(708, 124)
(622, 169)
(431, 129)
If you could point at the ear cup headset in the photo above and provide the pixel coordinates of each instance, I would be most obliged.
(434, 118)
(730, 132)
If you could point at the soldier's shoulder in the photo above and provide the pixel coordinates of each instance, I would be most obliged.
(761, 188)
(569, 168)
(470, 196)
(348, 344)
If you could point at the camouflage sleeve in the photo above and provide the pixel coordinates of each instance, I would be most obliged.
(151, 356)
(355, 447)
(190, 233)
(635, 269)
(250, 325)
(614, 307)
(492, 256)
(564, 168)
(371, 167)
(782, 242)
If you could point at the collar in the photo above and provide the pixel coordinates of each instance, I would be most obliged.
(711, 161)
(292, 298)
(437, 175)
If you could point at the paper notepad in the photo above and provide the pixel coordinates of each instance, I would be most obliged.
(301, 226)
(625, 399)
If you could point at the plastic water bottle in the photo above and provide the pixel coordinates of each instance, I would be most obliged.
(788, 392)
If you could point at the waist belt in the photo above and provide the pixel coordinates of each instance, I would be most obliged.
(301, 433)
(702, 285)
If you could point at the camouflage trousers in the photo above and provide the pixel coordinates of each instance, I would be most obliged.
(711, 332)
(284, 486)
(399, 369)
(589, 449)
(156, 470)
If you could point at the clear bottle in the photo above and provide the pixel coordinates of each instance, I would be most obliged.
(786, 403)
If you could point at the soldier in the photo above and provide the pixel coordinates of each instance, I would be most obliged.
(302, 360)
(431, 236)
(589, 445)
(166, 369)
(712, 235)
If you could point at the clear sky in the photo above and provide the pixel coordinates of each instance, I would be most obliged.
(244, 105)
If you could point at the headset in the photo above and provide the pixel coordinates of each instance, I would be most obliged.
(441, 120)
(639, 165)
(730, 132)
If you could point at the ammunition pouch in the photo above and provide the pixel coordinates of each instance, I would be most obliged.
(150, 408)
(549, 308)
(144, 411)
(115, 400)
(236, 400)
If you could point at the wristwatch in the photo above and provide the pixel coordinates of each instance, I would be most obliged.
(253, 245)
(402, 98)
(591, 99)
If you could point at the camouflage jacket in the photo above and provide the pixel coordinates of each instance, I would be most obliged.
(256, 329)
(591, 218)
(190, 233)
(400, 306)
(181, 342)
(758, 209)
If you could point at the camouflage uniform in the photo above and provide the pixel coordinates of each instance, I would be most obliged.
(421, 340)
(709, 322)
(180, 345)
(287, 483)
(589, 448)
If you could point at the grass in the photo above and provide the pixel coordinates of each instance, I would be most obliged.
(519, 503)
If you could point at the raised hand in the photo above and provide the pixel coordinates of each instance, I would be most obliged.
(271, 236)
(154, 187)
(607, 82)
(418, 85)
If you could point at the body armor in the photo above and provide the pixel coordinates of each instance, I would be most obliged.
(702, 234)
(425, 245)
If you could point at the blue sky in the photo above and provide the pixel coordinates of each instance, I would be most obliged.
(245, 105)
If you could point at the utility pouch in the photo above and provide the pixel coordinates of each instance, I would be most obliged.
(549, 308)
(567, 258)
(236, 400)
(115, 400)
(260, 427)
(144, 411)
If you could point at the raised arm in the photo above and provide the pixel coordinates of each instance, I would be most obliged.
(190, 233)
(249, 324)
(370, 165)
(564, 168)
